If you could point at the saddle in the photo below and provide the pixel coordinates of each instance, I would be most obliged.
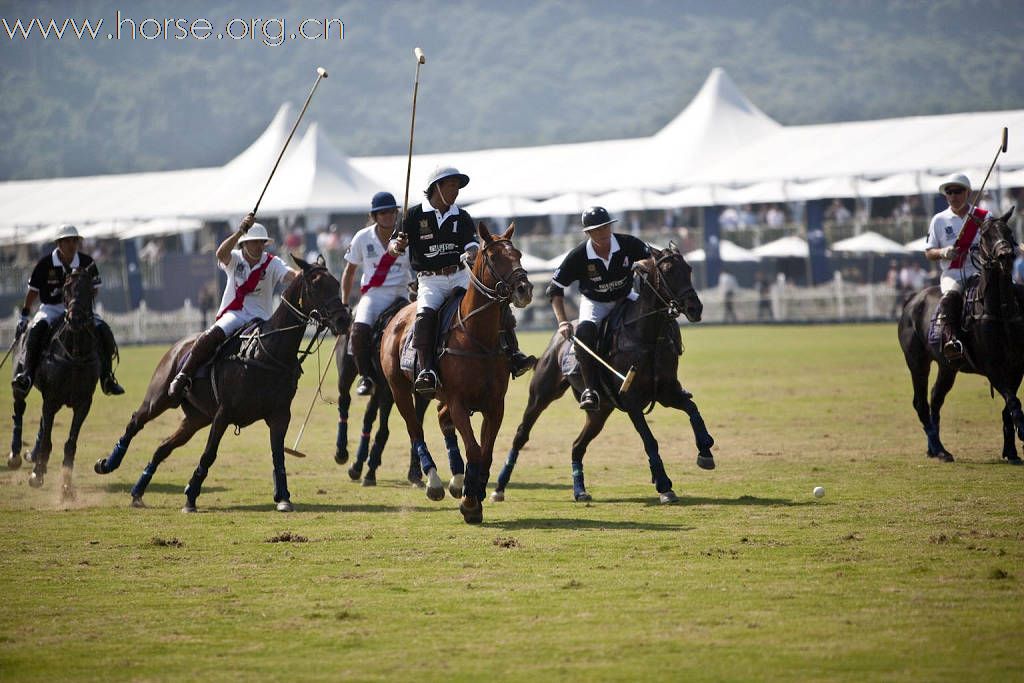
(445, 316)
(241, 345)
(377, 333)
(972, 311)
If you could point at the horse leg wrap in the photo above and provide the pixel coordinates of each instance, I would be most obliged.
(341, 440)
(934, 444)
(364, 447)
(281, 485)
(700, 431)
(475, 484)
(116, 455)
(16, 434)
(506, 472)
(426, 461)
(195, 484)
(455, 463)
(139, 489)
(578, 485)
(658, 477)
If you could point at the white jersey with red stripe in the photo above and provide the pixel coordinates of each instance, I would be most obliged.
(259, 303)
(943, 232)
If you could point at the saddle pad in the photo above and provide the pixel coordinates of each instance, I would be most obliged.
(449, 309)
(568, 361)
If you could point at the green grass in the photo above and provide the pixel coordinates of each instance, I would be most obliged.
(907, 569)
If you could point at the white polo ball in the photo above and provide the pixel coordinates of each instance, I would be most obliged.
(819, 491)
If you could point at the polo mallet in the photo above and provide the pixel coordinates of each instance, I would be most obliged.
(320, 74)
(294, 450)
(627, 379)
(420, 59)
(8, 354)
(978, 194)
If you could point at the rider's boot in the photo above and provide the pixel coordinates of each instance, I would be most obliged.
(424, 338)
(108, 351)
(950, 311)
(518, 362)
(22, 382)
(202, 351)
(586, 333)
(361, 333)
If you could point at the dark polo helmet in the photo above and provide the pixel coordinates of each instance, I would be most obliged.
(596, 217)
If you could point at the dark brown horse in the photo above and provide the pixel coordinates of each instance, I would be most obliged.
(379, 403)
(647, 340)
(240, 392)
(67, 375)
(993, 340)
(473, 368)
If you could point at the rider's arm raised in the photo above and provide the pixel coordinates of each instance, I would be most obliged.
(224, 250)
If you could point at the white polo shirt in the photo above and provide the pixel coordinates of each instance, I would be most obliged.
(366, 250)
(259, 303)
(942, 232)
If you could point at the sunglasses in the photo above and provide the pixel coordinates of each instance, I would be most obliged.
(953, 191)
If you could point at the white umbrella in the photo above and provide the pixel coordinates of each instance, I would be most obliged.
(918, 245)
(505, 207)
(727, 251)
(532, 263)
(785, 247)
(869, 243)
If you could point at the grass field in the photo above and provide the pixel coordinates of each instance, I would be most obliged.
(907, 569)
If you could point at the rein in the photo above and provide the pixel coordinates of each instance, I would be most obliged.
(499, 294)
(987, 259)
(669, 306)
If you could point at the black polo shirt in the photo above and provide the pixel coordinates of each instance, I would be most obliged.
(599, 282)
(433, 246)
(48, 276)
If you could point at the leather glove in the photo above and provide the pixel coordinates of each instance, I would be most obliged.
(565, 329)
(247, 222)
(22, 325)
(398, 245)
(948, 253)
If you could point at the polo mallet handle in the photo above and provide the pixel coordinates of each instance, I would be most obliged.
(627, 379)
(321, 73)
(294, 450)
(8, 354)
(420, 59)
(978, 194)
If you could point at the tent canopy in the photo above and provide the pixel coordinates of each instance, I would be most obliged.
(784, 247)
(869, 243)
(728, 251)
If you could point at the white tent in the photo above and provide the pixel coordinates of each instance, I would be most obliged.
(784, 247)
(568, 203)
(699, 195)
(728, 251)
(630, 200)
(869, 243)
(917, 246)
(534, 264)
(505, 207)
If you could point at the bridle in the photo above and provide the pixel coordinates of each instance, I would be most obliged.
(670, 303)
(503, 288)
(988, 255)
(81, 325)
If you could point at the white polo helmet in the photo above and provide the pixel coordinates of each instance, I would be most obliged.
(257, 233)
(955, 179)
(442, 172)
(65, 231)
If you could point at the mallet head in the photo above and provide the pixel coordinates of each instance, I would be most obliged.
(1006, 135)
(322, 71)
(420, 57)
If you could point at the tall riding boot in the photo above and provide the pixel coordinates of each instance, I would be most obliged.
(108, 352)
(518, 362)
(951, 308)
(586, 332)
(203, 349)
(22, 382)
(361, 348)
(424, 339)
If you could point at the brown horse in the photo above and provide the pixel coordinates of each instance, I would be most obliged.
(993, 340)
(648, 339)
(473, 368)
(240, 392)
(67, 375)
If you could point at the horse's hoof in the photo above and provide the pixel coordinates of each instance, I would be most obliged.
(13, 461)
(341, 457)
(944, 456)
(138, 503)
(101, 466)
(706, 461)
(498, 497)
(35, 480)
(473, 514)
(583, 497)
(189, 508)
(455, 485)
(1013, 460)
(435, 489)
(369, 480)
(668, 497)
(29, 458)
(355, 472)
(285, 506)
(416, 482)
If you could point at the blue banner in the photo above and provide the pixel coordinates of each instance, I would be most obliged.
(712, 238)
(821, 269)
(133, 273)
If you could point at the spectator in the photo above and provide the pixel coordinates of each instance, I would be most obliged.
(774, 217)
(764, 300)
(727, 285)
(838, 213)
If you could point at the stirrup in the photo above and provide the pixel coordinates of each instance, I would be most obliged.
(179, 385)
(519, 364)
(365, 386)
(953, 349)
(426, 382)
(22, 382)
(110, 386)
(589, 400)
